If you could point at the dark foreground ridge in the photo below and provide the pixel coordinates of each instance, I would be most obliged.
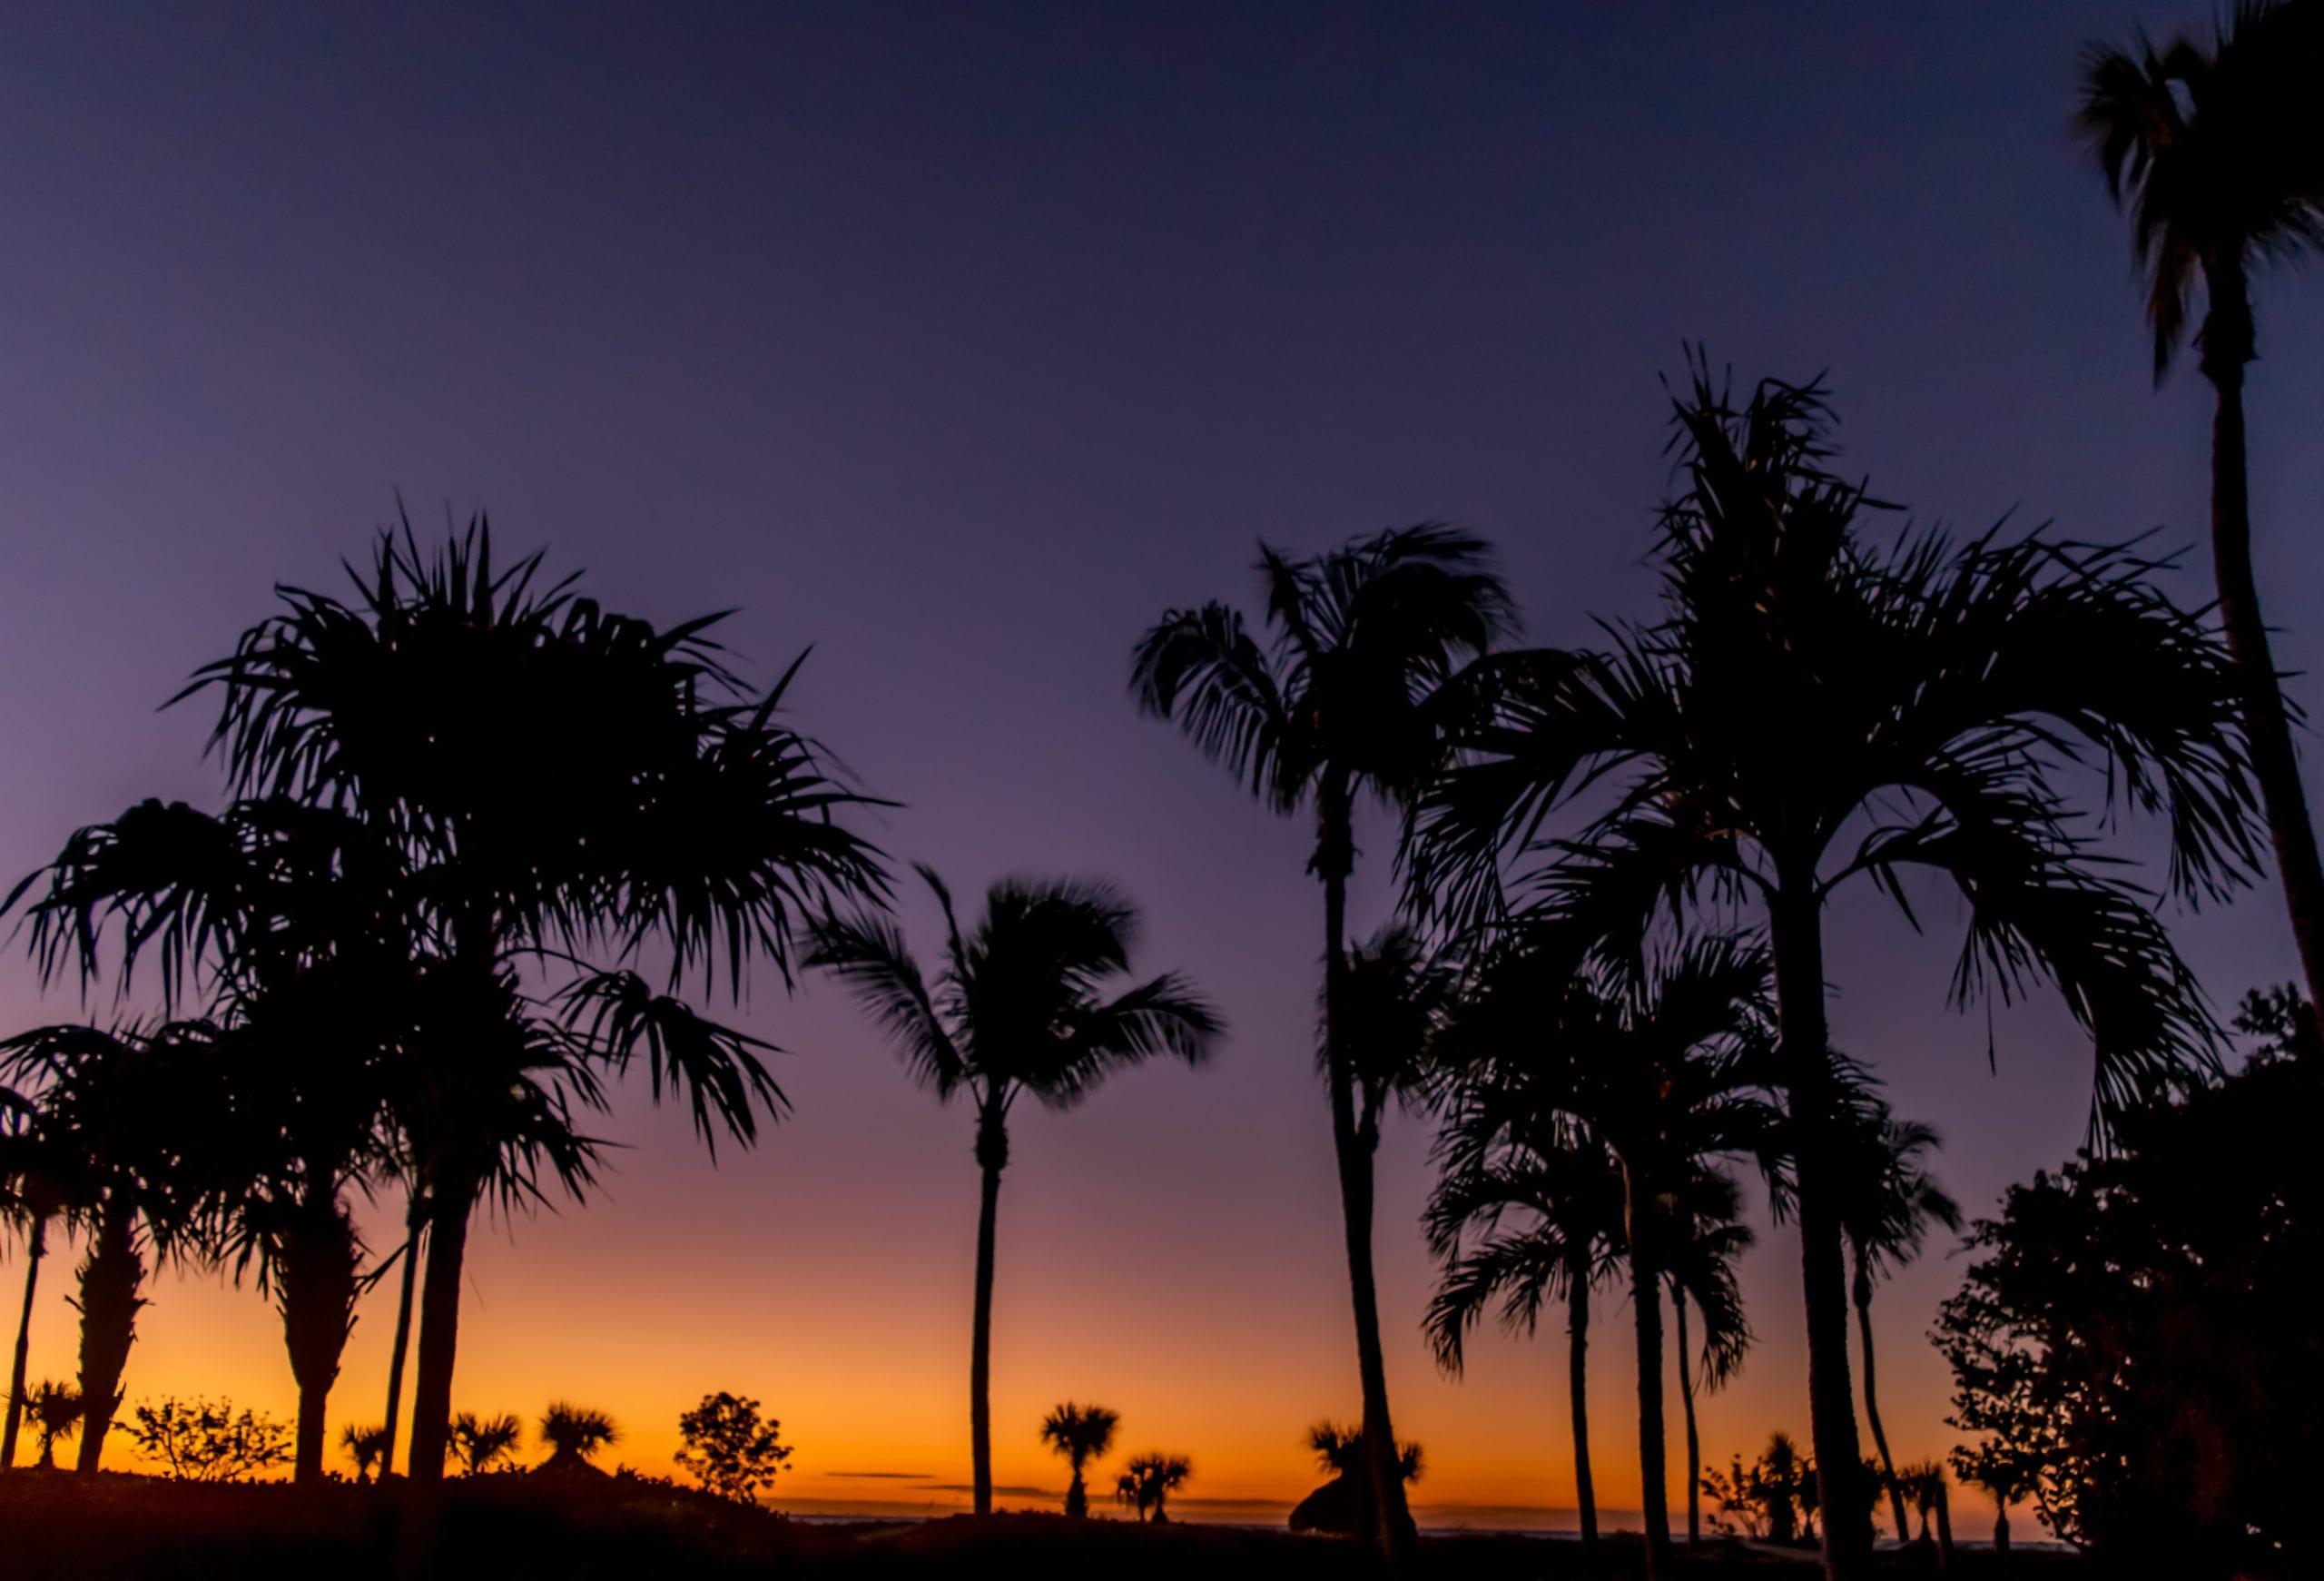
(518, 1528)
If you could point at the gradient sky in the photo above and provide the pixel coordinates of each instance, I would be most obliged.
(962, 342)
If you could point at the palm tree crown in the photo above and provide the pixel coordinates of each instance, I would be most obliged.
(574, 1434)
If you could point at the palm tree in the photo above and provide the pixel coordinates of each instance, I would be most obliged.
(1349, 698)
(39, 1180)
(367, 1447)
(574, 1434)
(1812, 710)
(55, 1411)
(1148, 1482)
(137, 1109)
(1888, 1201)
(653, 800)
(1705, 1239)
(483, 1442)
(1660, 1069)
(2006, 1479)
(1081, 1434)
(1926, 1482)
(1340, 1449)
(1020, 1007)
(2214, 153)
(1566, 1192)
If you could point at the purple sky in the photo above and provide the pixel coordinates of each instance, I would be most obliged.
(960, 342)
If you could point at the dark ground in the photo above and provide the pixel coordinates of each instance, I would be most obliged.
(520, 1527)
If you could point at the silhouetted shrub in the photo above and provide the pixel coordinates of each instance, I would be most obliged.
(196, 1441)
(728, 1449)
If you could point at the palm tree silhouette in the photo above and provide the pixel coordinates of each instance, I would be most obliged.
(1017, 1008)
(1081, 1434)
(55, 1412)
(1704, 1239)
(1146, 1483)
(1811, 709)
(2213, 153)
(1566, 1191)
(1349, 696)
(1888, 1202)
(367, 1447)
(2006, 1479)
(654, 799)
(40, 1180)
(1660, 1069)
(483, 1442)
(574, 1434)
(137, 1108)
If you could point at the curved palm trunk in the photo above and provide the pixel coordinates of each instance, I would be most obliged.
(1805, 1056)
(2275, 765)
(111, 1276)
(993, 1157)
(1386, 1515)
(1646, 1304)
(36, 1248)
(1694, 1444)
(415, 1216)
(1862, 1294)
(440, 1330)
(318, 1289)
(1577, 1383)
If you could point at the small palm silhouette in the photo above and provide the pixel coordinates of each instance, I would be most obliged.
(55, 1411)
(1148, 1481)
(367, 1447)
(572, 1433)
(1081, 1434)
(483, 1442)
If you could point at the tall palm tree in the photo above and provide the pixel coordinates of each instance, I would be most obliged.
(1889, 1200)
(1812, 710)
(2215, 154)
(1565, 1190)
(1150, 1480)
(1348, 700)
(1021, 1006)
(1660, 1068)
(1705, 1236)
(138, 1108)
(574, 1434)
(1081, 1434)
(653, 799)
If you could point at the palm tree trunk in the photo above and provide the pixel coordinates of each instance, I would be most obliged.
(993, 1157)
(414, 1219)
(2275, 765)
(318, 1289)
(2001, 1527)
(1646, 1307)
(1863, 1297)
(450, 1204)
(1577, 1383)
(1390, 1520)
(1944, 1524)
(1687, 1402)
(36, 1248)
(1796, 935)
(111, 1276)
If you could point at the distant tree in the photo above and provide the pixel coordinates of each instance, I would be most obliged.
(1773, 1498)
(728, 1449)
(1925, 1481)
(1350, 699)
(1028, 1004)
(2005, 1476)
(2135, 1346)
(1081, 1434)
(40, 1177)
(1339, 1450)
(1704, 1238)
(197, 1441)
(55, 1412)
(367, 1447)
(1146, 1483)
(482, 1442)
(574, 1434)
(2214, 153)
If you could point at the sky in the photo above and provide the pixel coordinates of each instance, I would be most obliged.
(959, 342)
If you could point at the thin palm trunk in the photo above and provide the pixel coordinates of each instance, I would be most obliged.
(1796, 936)
(415, 1217)
(1577, 1383)
(1863, 1296)
(1646, 1305)
(1943, 1525)
(1694, 1444)
(2275, 765)
(452, 1203)
(36, 1248)
(2001, 1527)
(109, 1281)
(1388, 1518)
(993, 1157)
